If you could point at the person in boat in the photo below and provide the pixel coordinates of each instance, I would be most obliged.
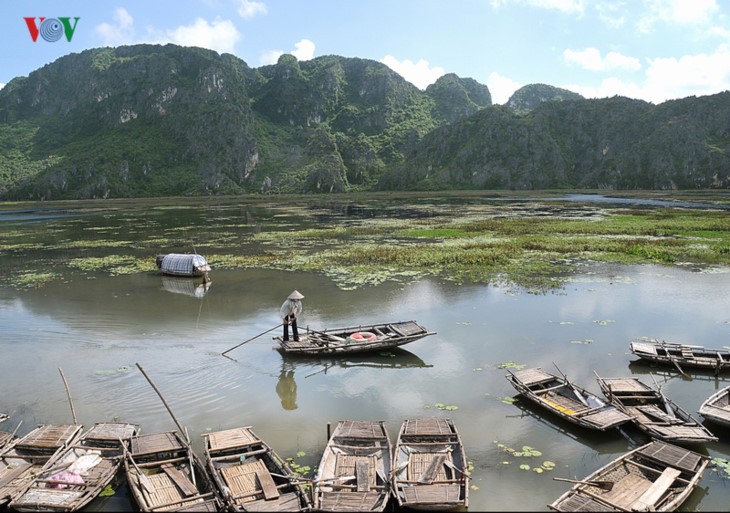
(289, 311)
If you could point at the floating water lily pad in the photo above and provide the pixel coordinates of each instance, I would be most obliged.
(108, 491)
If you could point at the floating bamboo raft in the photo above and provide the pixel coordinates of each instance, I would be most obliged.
(653, 413)
(655, 477)
(25, 457)
(567, 400)
(430, 466)
(80, 472)
(354, 472)
(250, 475)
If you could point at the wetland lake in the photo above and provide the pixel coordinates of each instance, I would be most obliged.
(79, 291)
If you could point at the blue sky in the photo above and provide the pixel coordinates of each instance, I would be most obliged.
(650, 50)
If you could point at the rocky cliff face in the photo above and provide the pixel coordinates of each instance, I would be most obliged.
(152, 120)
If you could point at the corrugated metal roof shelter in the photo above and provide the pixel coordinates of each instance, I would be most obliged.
(183, 264)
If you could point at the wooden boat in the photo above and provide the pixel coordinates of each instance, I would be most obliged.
(653, 413)
(430, 466)
(250, 475)
(6, 437)
(163, 474)
(681, 355)
(717, 407)
(80, 473)
(355, 339)
(567, 400)
(354, 472)
(654, 477)
(25, 457)
(183, 264)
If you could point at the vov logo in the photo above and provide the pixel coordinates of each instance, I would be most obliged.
(51, 29)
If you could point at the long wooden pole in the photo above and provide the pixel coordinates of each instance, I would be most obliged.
(68, 393)
(250, 339)
(177, 423)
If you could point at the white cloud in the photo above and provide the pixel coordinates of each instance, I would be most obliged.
(501, 88)
(670, 78)
(2, 85)
(678, 12)
(565, 6)
(120, 32)
(418, 74)
(247, 9)
(591, 59)
(303, 51)
(219, 35)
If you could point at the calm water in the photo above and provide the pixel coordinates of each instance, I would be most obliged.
(96, 327)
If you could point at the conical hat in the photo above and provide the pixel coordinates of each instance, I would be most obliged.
(296, 295)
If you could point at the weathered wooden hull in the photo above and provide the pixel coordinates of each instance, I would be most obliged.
(716, 408)
(430, 466)
(354, 472)
(566, 400)
(250, 475)
(654, 477)
(51, 491)
(164, 474)
(656, 415)
(342, 340)
(25, 457)
(682, 355)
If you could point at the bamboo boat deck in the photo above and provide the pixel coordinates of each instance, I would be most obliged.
(430, 466)
(574, 404)
(354, 472)
(26, 456)
(250, 474)
(101, 446)
(654, 414)
(655, 477)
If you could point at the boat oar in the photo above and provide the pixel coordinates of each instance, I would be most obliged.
(674, 361)
(143, 480)
(604, 485)
(249, 340)
(68, 393)
(577, 392)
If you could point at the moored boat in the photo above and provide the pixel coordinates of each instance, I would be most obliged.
(25, 457)
(163, 473)
(716, 408)
(654, 413)
(80, 473)
(354, 471)
(657, 476)
(354, 339)
(183, 264)
(566, 399)
(430, 466)
(250, 475)
(681, 355)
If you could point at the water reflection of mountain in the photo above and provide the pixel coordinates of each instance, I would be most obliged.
(186, 286)
(286, 386)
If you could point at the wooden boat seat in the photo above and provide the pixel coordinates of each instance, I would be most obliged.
(180, 479)
(653, 410)
(430, 426)
(250, 481)
(432, 494)
(531, 377)
(362, 475)
(672, 455)
(232, 438)
(350, 501)
(654, 493)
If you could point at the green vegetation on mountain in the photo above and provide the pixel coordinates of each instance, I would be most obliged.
(150, 120)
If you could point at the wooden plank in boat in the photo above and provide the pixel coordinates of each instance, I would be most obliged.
(360, 429)
(578, 502)
(110, 431)
(49, 436)
(626, 490)
(656, 412)
(531, 377)
(625, 385)
(362, 475)
(406, 329)
(433, 469)
(180, 479)
(267, 484)
(155, 442)
(431, 426)
(648, 500)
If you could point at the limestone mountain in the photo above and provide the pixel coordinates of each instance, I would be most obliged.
(530, 96)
